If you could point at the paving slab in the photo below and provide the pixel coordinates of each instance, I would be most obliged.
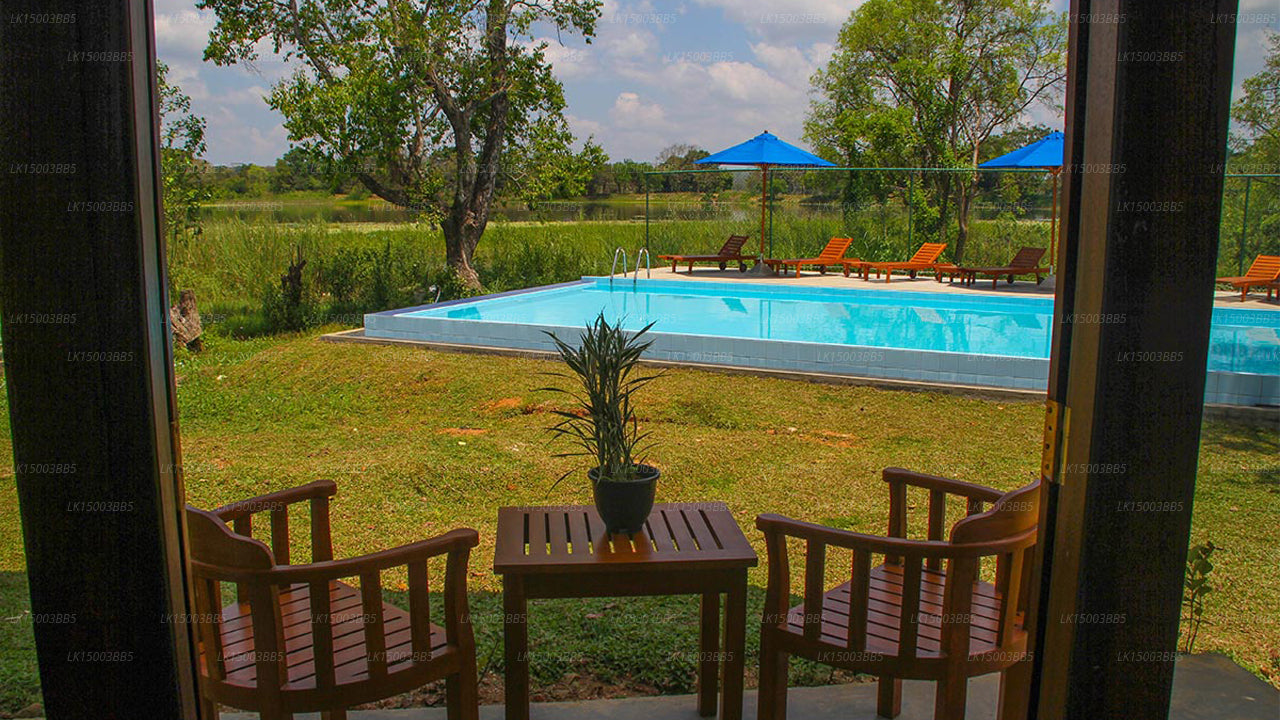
(1205, 687)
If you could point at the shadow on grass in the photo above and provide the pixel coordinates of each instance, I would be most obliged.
(600, 647)
(1246, 438)
(19, 674)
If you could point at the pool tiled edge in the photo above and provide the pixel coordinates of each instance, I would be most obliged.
(858, 361)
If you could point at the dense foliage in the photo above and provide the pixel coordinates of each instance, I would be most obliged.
(926, 83)
(181, 145)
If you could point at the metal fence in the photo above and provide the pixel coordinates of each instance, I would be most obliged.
(886, 212)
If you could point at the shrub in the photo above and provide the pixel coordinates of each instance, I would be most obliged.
(291, 306)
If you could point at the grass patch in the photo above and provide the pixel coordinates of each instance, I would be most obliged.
(421, 442)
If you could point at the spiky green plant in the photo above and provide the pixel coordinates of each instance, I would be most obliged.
(606, 368)
(1196, 587)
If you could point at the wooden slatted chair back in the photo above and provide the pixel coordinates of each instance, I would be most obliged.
(1264, 267)
(733, 246)
(928, 253)
(834, 251)
(1027, 257)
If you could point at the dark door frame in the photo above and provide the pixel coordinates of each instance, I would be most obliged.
(88, 361)
(1149, 90)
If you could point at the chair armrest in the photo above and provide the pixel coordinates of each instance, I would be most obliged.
(456, 544)
(910, 555)
(877, 544)
(454, 541)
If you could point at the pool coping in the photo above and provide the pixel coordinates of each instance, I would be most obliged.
(1250, 414)
(934, 368)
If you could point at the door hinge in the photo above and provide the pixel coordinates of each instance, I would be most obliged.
(1057, 417)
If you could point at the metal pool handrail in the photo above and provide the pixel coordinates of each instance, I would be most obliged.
(647, 270)
(614, 267)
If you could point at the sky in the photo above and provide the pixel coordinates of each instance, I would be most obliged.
(708, 72)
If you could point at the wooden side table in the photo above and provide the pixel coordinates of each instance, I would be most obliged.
(685, 549)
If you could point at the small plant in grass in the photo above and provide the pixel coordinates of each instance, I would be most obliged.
(606, 366)
(1196, 586)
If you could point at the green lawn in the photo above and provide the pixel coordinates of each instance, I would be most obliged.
(420, 442)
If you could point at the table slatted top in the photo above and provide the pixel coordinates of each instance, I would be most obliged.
(571, 538)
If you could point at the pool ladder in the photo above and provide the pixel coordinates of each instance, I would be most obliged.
(613, 269)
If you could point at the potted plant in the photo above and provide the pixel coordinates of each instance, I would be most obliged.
(606, 369)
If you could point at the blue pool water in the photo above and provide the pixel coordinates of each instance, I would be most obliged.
(1241, 341)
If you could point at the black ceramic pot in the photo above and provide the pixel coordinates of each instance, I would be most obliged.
(624, 506)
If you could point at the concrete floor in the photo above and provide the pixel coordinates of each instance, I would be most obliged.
(836, 279)
(1205, 687)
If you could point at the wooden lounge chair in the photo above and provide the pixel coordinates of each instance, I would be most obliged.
(924, 613)
(1264, 271)
(730, 252)
(1024, 263)
(831, 256)
(926, 258)
(297, 639)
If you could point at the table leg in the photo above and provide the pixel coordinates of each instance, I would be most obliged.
(735, 631)
(515, 636)
(709, 655)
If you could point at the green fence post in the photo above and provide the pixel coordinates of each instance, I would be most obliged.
(1244, 227)
(646, 211)
(911, 200)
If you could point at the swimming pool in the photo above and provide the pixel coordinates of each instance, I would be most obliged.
(980, 340)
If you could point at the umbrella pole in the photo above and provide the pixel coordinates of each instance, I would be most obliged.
(1053, 226)
(764, 193)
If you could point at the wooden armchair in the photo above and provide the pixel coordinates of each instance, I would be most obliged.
(298, 639)
(908, 617)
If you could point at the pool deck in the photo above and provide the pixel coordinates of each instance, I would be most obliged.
(922, 283)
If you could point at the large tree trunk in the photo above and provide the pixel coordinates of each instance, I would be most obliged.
(461, 235)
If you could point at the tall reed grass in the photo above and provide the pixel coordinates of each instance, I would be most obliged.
(357, 268)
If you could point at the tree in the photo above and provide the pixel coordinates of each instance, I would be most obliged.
(683, 156)
(181, 145)
(298, 169)
(925, 83)
(1258, 109)
(416, 99)
(1256, 147)
(545, 167)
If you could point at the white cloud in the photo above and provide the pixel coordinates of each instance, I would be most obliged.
(583, 127)
(750, 84)
(181, 30)
(567, 62)
(629, 111)
(232, 138)
(795, 20)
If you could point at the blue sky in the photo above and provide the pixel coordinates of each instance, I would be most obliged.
(707, 72)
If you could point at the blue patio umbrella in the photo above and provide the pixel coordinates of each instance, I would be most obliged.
(1047, 153)
(765, 151)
